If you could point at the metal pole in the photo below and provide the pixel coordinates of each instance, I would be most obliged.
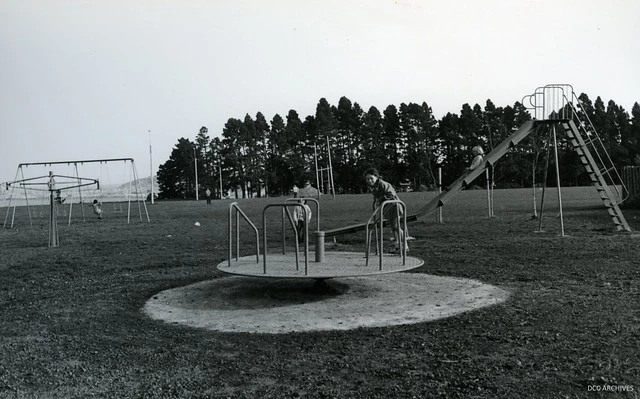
(129, 197)
(492, 192)
(404, 234)
(264, 243)
(237, 235)
(220, 170)
(53, 226)
(284, 250)
(230, 226)
(315, 158)
(486, 173)
(381, 237)
(26, 198)
(151, 167)
(555, 150)
(544, 182)
(80, 193)
(10, 200)
(139, 193)
(439, 214)
(320, 246)
(195, 163)
(77, 160)
(306, 240)
(332, 187)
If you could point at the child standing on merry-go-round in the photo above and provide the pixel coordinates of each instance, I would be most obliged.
(298, 219)
(383, 191)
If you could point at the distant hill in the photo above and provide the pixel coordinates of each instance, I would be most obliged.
(144, 182)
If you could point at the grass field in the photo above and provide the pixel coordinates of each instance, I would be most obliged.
(72, 325)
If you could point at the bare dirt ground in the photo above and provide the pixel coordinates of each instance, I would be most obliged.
(244, 304)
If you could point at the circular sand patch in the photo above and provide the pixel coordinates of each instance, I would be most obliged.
(260, 305)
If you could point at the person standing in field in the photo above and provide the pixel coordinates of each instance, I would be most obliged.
(295, 191)
(208, 194)
(383, 191)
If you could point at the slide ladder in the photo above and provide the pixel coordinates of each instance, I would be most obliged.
(600, 171)
(558, 103)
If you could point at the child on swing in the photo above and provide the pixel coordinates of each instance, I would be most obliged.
(97, 208)
(383, 191)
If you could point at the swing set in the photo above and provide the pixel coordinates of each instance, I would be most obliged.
(113, 197)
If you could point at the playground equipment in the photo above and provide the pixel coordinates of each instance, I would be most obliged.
(378, 218)
(101, 192)
(324, 176)
(54, 187)
(631, 178)
(322, 265)
(554, 105)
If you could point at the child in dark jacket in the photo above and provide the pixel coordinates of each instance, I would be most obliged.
(383, 191)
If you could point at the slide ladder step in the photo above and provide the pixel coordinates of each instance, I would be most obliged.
(596, 174)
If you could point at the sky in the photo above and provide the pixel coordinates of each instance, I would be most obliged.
(97, 79)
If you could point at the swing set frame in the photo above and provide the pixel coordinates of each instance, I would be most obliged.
(20, 177)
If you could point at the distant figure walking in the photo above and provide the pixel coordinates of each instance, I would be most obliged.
(208, 194)
(295, 191)
(97, 208)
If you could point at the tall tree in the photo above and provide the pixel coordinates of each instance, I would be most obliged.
(418, 144)
(371, 134)
(324, 127)
(298, 153)
(204, 168)
(347, 141)
(470, 124)
(276, 163)
(261, 140)
(215, 161)
(453, 160)
(251, 149)
(634, 133)
(176, 177)
(390, 167)
(619, 135)
(234, 155)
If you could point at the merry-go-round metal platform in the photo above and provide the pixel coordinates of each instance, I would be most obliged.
(334, 265)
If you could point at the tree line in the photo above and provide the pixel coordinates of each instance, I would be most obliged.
(254, 157)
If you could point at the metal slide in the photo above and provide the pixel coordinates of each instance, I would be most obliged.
(490, 159)
(466, 179)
